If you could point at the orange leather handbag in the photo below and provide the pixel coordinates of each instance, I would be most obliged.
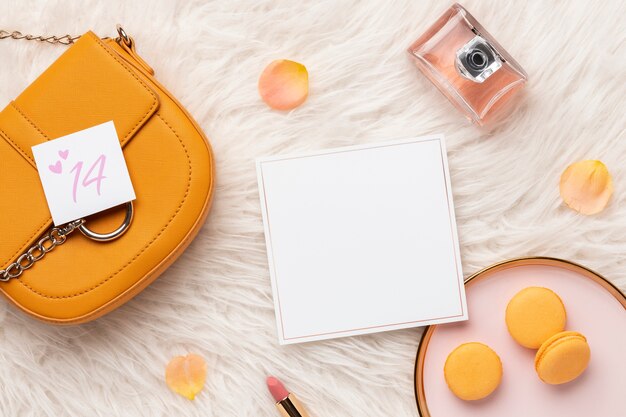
(63, 277)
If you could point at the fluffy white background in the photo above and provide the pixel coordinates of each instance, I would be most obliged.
(216, 300)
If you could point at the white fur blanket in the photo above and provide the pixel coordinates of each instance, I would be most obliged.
(216, 300)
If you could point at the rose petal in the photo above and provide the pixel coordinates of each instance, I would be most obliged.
(185, 375)
(284, 84)
(586, 186)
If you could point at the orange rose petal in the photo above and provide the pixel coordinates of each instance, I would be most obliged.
(284, 85)
(586, 186)
(185, 375)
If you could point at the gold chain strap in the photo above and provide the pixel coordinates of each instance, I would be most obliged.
(63, 40)
(55, 237)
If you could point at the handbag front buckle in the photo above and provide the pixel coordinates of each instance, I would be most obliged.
(107, 237)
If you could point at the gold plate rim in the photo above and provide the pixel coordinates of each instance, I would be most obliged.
(420, 396)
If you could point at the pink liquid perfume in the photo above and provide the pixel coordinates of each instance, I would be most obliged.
(467, 65)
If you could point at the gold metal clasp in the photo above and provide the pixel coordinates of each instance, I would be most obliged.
(123, 36)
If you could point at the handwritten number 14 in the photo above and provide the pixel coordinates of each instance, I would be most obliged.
(89, 177)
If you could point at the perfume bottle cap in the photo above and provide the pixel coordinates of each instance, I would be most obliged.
(477, 60)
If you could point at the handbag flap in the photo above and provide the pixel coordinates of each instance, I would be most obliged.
(88, 85)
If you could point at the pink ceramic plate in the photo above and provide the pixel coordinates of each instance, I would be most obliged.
(594, 307)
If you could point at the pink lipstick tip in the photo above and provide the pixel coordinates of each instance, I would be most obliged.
(277, 389)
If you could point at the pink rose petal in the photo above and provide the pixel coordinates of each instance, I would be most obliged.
(284, 84)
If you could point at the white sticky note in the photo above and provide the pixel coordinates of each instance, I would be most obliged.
(361, 239)
(83, 173)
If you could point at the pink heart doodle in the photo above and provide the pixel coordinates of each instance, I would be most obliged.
(56, 168)
(64, 154)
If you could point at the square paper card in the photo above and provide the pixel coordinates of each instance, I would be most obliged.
(361, 239)
(83, 173)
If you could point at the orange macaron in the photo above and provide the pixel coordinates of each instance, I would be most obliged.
(562, 358)
(473, 371)
(535, 314)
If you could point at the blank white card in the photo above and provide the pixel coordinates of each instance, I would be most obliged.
(361, 239)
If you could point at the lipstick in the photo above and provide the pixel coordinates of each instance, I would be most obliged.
(286, 403)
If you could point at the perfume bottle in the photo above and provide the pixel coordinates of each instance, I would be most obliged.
(467, 65)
